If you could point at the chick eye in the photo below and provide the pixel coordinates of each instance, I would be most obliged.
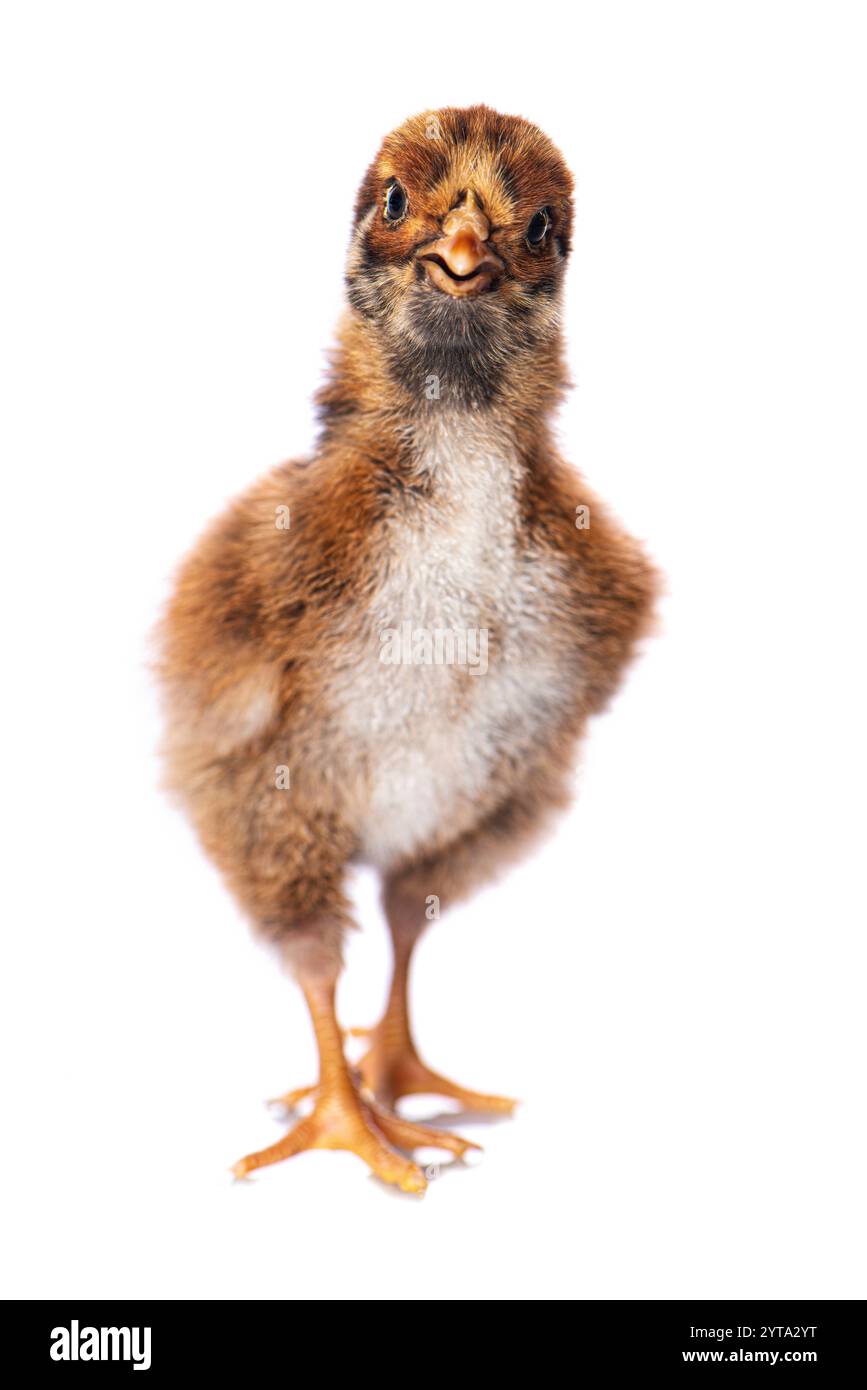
(537, 227)
(395, 203)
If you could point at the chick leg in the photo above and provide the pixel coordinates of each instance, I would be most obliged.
(343, 1119)
(391, 1067)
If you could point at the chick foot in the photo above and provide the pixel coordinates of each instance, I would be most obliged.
(341, 1120)
(401, 1133)
(391, 1068)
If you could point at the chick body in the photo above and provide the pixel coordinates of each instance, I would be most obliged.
(436, 503)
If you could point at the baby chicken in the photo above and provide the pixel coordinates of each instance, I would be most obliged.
(388, 653)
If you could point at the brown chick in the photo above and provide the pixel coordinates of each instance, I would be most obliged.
(387, 653)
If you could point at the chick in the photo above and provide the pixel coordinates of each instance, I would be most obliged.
(387, 653)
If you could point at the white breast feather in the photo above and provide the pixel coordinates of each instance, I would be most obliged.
(427, 736)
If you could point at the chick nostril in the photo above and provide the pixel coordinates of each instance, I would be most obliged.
(468, 220)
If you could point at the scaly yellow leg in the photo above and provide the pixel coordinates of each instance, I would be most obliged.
(392, 1068)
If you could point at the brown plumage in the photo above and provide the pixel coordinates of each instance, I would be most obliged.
(409, 629)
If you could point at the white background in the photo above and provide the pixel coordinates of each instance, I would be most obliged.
(675, 983)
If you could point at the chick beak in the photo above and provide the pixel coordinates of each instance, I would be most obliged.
(461, 262)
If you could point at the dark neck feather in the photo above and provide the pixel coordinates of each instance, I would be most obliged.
(376, 392)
